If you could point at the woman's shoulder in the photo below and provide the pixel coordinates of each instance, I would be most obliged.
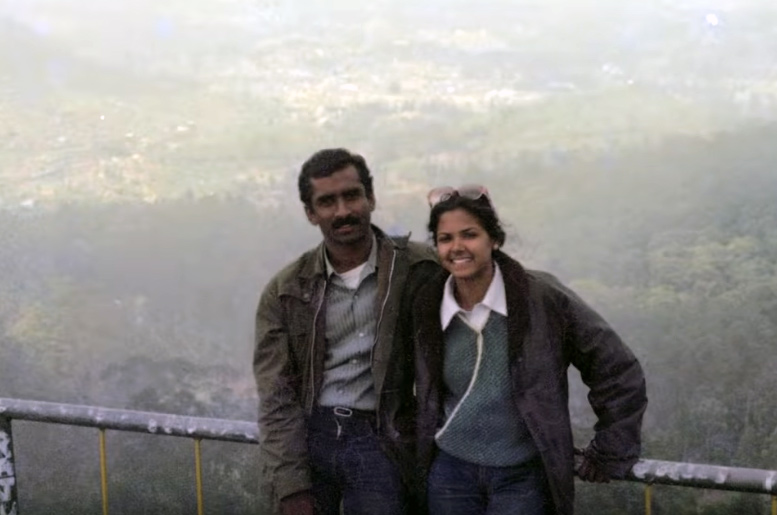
(543, 279)
(513, 270)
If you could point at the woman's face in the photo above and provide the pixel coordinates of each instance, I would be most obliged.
(464, 246)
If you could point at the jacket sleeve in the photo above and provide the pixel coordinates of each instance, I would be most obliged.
(282, 426)
(616, 381)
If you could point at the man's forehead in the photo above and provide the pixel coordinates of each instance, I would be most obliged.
(341, 181)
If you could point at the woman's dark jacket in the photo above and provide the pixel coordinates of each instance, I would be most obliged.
(549, 327)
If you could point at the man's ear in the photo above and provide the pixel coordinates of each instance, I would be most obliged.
(371, 200)
(312, 218)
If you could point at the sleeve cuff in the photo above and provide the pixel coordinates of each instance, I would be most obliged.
(286, 486)
(614, 466)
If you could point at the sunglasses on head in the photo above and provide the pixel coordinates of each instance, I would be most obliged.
(470, 191)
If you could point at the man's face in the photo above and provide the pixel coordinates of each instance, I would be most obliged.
(341, 207)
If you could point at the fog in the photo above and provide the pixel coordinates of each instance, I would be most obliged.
(148, 161)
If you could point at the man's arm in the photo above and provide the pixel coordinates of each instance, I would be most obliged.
(617, 391)
(282, 427)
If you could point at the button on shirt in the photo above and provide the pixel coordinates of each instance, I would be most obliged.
(351, 298)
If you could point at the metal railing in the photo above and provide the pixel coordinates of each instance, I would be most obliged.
(649, 472)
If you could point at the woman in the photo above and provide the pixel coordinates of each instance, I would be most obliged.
(493, 344)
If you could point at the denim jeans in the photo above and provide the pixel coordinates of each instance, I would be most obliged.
(348, 466)
(457, 487)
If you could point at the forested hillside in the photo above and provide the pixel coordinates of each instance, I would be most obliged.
(150, 306)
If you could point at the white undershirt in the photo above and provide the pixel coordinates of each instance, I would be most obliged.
(352, 277)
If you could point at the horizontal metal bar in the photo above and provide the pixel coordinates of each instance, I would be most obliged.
(645, 471)
(705, 476)
(124, 420)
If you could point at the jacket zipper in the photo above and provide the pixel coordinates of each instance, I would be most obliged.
(312, 399)
(377, 327)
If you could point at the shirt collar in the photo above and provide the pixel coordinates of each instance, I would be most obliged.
(369, 266)
(495, 298)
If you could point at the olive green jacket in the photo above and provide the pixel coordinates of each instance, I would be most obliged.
(290, 349)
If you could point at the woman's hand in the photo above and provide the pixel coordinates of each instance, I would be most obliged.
(592, 471)
(591, 468)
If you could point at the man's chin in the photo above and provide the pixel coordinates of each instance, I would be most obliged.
(355, 236)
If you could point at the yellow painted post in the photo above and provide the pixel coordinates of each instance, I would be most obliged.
(648, 499)
(774, 505)
(103, 472)
(198, 474)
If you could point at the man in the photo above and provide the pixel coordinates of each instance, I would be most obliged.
(333, 360)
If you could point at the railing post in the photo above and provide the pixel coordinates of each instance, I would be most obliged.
(198, 474)
(103, 471)
(8, 503)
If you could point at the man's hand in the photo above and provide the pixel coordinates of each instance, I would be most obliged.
(300, 503)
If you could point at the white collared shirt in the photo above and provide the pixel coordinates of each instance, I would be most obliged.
(494, 300)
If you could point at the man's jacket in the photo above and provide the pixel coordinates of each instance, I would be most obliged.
(290, 350)
(549, 328)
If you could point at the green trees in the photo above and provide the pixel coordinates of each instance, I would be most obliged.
(150, 306)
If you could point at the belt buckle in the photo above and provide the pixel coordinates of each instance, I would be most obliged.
(341, 411)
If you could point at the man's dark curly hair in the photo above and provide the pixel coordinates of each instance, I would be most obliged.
(326, 162)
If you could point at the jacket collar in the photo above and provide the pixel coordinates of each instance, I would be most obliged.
(315, 265)
(517, 295)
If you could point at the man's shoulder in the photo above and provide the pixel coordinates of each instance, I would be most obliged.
(418, 252)
(304, 265)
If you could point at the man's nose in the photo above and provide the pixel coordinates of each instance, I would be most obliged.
(341, 209)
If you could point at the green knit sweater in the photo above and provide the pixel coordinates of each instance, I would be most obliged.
(482, 423)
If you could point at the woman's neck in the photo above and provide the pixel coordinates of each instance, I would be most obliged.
(472, 290)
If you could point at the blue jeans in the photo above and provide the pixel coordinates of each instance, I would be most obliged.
(457, 487)
(348, 466)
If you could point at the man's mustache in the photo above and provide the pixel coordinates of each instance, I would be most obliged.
(348, 220)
